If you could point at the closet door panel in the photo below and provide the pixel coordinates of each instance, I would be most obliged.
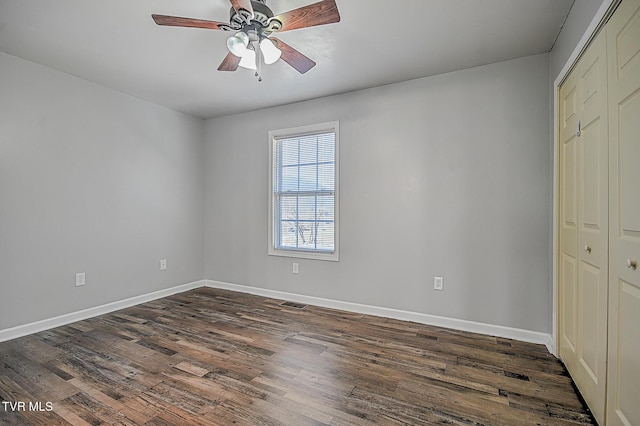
(591, 330)
(569, 158)
(593, 230)
(629, 168)
(569, 317)
(568, 265)
(594, 178)
(623, 44)
(624, 407)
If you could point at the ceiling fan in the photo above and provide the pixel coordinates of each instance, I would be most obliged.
(254, 22)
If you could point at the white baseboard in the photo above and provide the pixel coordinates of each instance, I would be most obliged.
(457, 324)
(35, 327)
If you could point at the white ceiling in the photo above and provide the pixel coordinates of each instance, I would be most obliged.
(116, 43)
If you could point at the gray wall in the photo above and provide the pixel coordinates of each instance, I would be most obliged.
(447, 175)
(94, 181)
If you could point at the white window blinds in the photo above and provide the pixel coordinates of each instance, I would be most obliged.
(304, 196)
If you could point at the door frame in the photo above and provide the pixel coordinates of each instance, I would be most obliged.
(602, 15)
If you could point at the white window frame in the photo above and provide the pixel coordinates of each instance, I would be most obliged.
(303, 131)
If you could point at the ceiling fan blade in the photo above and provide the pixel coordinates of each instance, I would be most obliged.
(177, 21)
(242, 4)
(230, 63)
(320, 13)
(294, 58)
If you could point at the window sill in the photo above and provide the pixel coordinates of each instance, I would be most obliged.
(301, 254)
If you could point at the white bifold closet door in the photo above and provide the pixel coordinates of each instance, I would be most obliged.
(584, 226)
(623, 50)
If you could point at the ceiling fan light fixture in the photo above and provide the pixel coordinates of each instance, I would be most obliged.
(237, 44)
(248, 60)
(270, 52)
(253, 23)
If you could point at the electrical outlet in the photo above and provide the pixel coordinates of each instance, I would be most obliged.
(438, 283)
(80, 279)
(163, 264)
(295, 268)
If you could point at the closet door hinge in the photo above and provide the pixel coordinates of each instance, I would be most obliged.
(578, 130)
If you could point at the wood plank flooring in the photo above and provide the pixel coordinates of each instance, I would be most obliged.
(213, 357)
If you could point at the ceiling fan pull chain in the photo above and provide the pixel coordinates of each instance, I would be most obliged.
(259, 60)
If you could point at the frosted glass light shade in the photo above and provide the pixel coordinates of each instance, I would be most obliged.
(269, 51)
(248, 60)
(237, 44)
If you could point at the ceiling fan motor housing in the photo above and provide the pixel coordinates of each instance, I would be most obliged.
(262, 15)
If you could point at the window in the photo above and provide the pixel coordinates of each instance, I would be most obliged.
(303, 188)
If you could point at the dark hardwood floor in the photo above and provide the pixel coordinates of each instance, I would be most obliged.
(213, 357)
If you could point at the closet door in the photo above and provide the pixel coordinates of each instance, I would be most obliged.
(584, 225)
(623, 30)
(568, 223)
